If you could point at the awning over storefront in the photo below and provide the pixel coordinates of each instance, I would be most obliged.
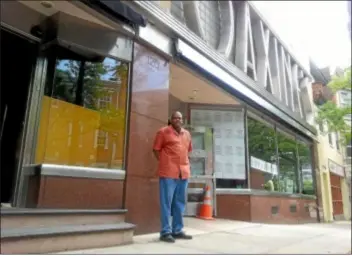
(230, 84)
(117, 10)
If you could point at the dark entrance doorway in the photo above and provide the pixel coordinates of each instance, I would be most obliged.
(18, 57)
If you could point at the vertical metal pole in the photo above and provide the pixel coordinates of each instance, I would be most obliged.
(127, 124)
(246, 144)
(299, 169)
(277, 159)
(29, 139)
(315, 183)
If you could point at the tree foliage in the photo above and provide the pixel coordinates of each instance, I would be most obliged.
(94, 78)
(334, 116)
(276, 147)
(67, 86)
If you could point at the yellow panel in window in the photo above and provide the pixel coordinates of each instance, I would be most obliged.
(43, 128)
(66, 133)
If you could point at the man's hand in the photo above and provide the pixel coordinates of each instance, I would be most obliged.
(156, 154)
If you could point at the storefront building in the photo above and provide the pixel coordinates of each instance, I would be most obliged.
(100, 83)
(260, 160)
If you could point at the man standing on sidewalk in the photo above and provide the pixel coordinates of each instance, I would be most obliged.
(171, 147)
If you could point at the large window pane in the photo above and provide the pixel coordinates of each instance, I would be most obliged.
(262, 152)
(305, 162)
(229, 144)
(84, 113)
(288, 169)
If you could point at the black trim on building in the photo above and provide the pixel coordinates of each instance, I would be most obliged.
(116, 10)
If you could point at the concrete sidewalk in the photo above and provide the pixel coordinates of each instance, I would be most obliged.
(234, 237)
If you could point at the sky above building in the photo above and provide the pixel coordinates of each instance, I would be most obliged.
(318, 29)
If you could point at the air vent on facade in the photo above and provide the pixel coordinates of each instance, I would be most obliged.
(274, 210)
(306, 208)
(293, 208)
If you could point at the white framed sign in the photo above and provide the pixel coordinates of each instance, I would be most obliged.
(229, 140)
(263, 166)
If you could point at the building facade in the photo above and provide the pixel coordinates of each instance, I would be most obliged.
(333, 161)
(96, 98)
(343, 100)
(236, 68)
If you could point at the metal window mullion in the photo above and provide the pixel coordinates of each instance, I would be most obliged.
(277, 158)
(299, 178)
(314, 176)
(246, 144)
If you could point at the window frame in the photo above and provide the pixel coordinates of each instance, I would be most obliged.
(53, 54)
(297, 138)
(290, 135)
(330, 139)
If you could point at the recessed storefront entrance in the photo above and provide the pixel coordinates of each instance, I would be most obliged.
(262, 170)
(18, 56)
(194, 97)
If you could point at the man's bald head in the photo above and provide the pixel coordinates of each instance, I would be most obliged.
(176, 113)
(176, 120)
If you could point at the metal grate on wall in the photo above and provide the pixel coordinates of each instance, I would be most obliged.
(210, 19)
(177, 10)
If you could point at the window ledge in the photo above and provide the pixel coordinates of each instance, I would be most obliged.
(254, 192)
(74, 172)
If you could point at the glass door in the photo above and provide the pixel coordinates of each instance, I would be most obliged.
(202, 169)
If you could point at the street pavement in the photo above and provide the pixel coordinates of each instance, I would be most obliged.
(235, 237)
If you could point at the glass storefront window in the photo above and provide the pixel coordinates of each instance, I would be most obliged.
(288, 163)
(84, 113)
(262, 153)
(305, 167)
(228, 144)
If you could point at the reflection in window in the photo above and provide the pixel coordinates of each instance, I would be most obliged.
(83, 113)
(262, 152)
(288, 179)
(305, 162)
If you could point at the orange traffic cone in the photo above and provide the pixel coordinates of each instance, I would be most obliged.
(206, 209)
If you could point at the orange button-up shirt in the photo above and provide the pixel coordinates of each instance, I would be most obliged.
(173, 150)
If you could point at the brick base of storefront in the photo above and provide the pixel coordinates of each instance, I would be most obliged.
(266, 209)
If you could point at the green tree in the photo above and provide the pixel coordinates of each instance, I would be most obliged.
(333, 115)
(79, 82)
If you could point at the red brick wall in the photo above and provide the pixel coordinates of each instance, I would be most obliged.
(261, 207)
(76, 193)
(321, 91)
(233, 207)
(258, 208)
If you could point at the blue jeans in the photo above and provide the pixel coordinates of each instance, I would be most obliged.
(172, 194)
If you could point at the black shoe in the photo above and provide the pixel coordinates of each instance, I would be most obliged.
(167, 238)
(182, 235)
